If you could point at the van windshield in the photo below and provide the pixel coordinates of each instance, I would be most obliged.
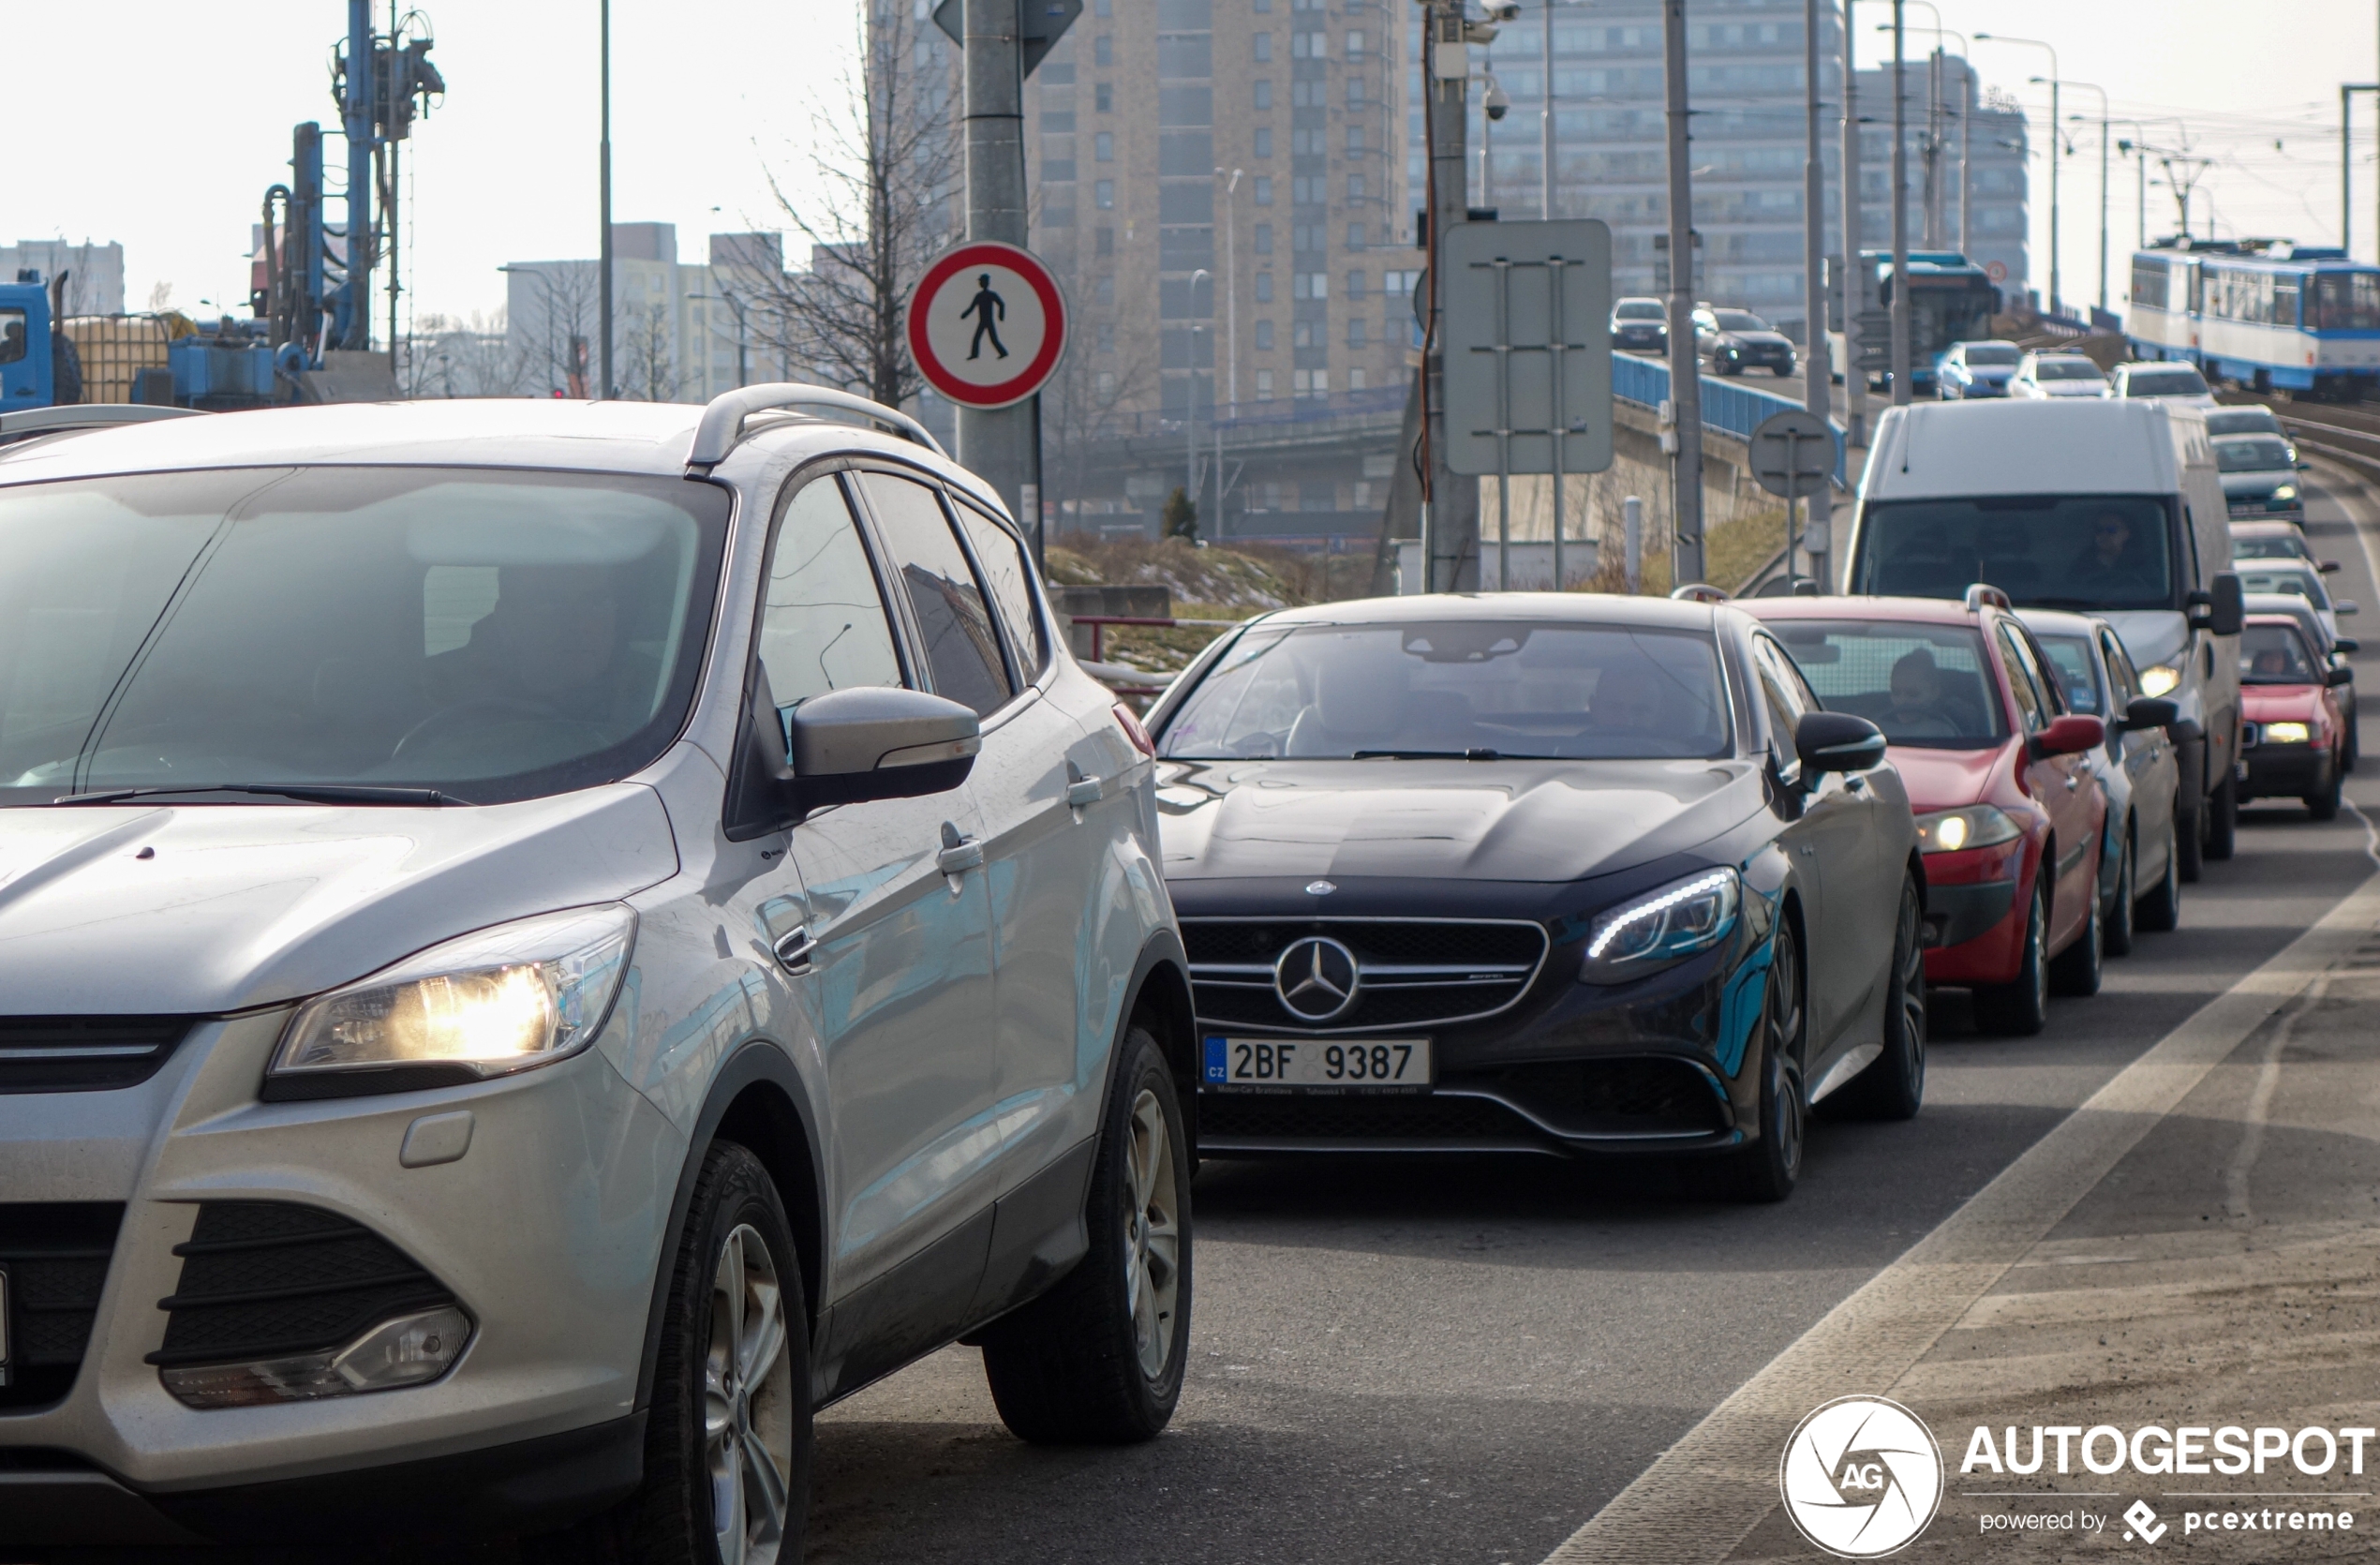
(2045, 551)
(490, 635)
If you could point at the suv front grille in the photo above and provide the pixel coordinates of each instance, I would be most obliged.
(1412, 972)
(57, 1256)
(84, 1054)
(263, 1279)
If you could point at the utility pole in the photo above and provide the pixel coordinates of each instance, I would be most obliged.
(1816, 380)
(1854, 378)
(1686, 384)
(1230, 293)
(1450, 533)
(1545, 142)
(1000, 444)
(357, 114)
(1965, 176)
(1900, 214)
(604, 252)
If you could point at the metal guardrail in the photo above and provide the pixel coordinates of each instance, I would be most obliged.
(1728, 408)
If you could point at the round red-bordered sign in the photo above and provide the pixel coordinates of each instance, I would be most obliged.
(987, 324)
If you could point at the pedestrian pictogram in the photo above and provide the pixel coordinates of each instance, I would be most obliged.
(987, 324)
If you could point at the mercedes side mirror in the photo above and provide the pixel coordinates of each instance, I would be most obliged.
(871, 742)
(1836, 742)
(2144, 712)
(2336, 677)
(2070, 735)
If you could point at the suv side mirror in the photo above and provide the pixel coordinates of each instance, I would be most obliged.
(2144, 712)
(872, 742)
(1836, 742)
(2336, 677)
(2070, 735)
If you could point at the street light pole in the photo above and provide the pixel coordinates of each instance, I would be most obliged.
(1002, 444)
(1854, 378)
(1900, 212)
(1545, 144)
(1231, 287)
(1686, 385)
(1190, 484)
(2054, 122)
(1815, 377)
(604, 247)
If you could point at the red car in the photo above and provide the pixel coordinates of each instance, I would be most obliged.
(2293, 742)
(1997, 777)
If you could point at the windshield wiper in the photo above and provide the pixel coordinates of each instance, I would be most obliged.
(1427, 756)
(309, 792)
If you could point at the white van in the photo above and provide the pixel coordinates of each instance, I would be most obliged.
(2112, 508)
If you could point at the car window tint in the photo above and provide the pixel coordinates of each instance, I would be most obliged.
(1002, 558)
(2275, 655)
(2022, 681)
(962, 652)
(1923, 685)
(822, 624)
(2069, 664)
(1780, 690)
(2120, 666)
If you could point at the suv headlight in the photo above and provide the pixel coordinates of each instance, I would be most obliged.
(2286, 495)
(2159, 680)
(495, 1001)
(1667, 925)
(1977, 825)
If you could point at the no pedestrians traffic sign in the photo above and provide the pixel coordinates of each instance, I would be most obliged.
(987, 324)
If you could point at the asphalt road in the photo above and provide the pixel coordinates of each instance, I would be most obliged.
(1398, 1361)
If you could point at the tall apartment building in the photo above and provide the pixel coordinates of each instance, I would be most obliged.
(676, 332)
(1197, 161)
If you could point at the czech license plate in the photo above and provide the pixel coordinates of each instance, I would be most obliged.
(1368, 1064)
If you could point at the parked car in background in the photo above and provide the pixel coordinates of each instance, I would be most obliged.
(1975, 370)
(2295, 745)
(2041, 376)
(1641, 326)
(1535, 872)
(2011, 813)
(586, 932)
(2176, 382)
(2337, 651)
(2135, 764)
(2260, 477)
(1733, 341)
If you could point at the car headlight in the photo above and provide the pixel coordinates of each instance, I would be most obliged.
(2159, 679)
(2288, 733)
(2286, 495)
(1977, 825)
(1663, 926)
(495, 1001)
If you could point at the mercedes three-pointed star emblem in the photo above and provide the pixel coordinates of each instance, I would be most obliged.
(1316, 978)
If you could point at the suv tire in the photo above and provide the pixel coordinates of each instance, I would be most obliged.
(1098, 1360)
(735, 1336)
(1894, 1086)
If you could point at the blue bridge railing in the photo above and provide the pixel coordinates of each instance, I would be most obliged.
(1728, 407)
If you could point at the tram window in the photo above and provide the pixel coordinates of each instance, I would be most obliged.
(2148, 284)
(2345, 302)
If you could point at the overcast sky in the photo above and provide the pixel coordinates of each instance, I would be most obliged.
(160, 125)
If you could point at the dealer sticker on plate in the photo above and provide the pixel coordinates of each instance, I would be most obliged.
(1371, 1064)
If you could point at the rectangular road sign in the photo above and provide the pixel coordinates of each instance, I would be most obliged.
(1528, 346)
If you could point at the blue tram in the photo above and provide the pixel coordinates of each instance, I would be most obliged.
(2262, 312)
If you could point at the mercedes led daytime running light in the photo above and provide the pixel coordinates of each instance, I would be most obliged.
(502, 999)
(1663, 926)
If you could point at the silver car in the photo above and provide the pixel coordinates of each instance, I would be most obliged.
(539, 945)
(2139, 871)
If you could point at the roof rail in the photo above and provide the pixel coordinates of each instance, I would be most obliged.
(724, 418)
(1981, 594)
(88, 415)
(1699, 592)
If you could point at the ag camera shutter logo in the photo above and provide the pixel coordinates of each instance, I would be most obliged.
(1861, 1477)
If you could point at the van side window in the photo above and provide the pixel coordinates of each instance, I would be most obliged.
(1010, 578)
(962, 650)
(822, 624)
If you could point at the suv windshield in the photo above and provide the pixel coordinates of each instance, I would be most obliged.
(2241, 421)
(2045, 551)
(2164, 382)
(2251, 454)
(1632, 310)
(1923, 685)
(1739, 320)
(491, 634)
(2065, 369)
(1482, 688)
(1987, 356)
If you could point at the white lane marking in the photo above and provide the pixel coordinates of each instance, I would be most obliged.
(1701, 1498)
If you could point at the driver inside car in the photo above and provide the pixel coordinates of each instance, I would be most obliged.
(552, 647)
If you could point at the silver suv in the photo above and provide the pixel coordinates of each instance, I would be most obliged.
(540, 944)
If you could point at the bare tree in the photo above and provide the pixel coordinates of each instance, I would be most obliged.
(449, 356)
(1078, 408)
(648, 371)
(884, 159)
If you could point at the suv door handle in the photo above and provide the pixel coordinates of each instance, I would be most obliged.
(1086, 790)
(960, 852)
(793, 948)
